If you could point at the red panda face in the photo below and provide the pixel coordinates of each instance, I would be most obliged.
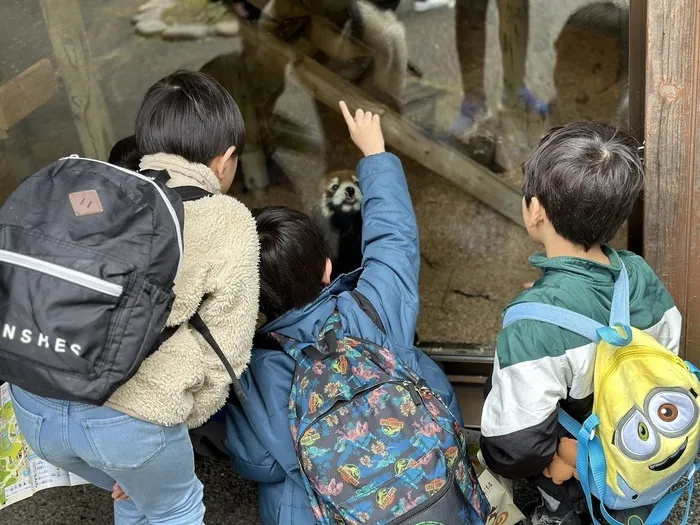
(340, 193)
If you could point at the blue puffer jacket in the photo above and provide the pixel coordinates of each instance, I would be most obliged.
(258, 435)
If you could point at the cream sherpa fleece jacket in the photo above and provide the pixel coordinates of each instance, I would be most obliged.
(184, 380)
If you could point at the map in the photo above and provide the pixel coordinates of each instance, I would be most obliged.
(22, 473)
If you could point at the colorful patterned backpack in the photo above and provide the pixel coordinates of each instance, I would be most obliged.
(374, 443)
(640, 445)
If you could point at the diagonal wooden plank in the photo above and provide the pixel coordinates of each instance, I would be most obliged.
(28, 91)
(398, 131)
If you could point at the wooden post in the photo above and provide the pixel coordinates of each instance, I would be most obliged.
(72, 51)
(398, 131)
(672, 156)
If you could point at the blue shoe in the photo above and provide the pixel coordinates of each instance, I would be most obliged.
(532, 103)
(469, 112)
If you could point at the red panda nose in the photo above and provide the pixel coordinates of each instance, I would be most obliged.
(350, 191)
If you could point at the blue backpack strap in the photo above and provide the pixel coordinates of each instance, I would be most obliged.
(561, 317)
(619, 311)
(580, 324)
(572, 426)
(590, 453)
(664, 507)
(588, 445)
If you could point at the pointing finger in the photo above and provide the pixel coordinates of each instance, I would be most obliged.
(346, 114)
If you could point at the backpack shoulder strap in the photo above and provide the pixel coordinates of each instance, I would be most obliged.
(578, 323)
(159, 176)
(191, 193)
(561, 317)
(369, 309)
(186, 193)
(198, 324)
(620, 309)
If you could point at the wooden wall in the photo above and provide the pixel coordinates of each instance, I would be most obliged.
(672, 156)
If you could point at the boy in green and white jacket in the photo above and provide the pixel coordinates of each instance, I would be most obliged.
(581, 182)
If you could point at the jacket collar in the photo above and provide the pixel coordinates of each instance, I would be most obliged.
(182, 172)
(582, 268)
(306, 323)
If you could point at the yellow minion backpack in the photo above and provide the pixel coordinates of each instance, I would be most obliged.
(643, 435)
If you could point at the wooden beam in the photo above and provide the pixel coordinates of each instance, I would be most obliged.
(398, 131)
(26, 92)
(72, 51)
(672, 156)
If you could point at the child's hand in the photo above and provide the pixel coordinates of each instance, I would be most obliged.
(365, 130)
(118, 494)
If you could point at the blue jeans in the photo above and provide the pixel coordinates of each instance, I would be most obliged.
(153, 464)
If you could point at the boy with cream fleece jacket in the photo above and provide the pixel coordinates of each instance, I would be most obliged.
(184, 380)
(138, 445)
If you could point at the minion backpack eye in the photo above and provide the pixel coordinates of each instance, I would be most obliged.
(636, 437)
(672, 411)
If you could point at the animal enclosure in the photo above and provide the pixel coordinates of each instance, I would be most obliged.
(464, 93)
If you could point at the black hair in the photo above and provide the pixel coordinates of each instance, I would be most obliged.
(292, 259)
(125, 153)
(587, 176)
(191, 115)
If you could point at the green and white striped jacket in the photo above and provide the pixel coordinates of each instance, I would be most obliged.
(539, 366)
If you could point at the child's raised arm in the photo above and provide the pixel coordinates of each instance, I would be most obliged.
(390, 250)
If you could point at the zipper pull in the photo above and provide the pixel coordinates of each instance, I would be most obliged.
(415, 396)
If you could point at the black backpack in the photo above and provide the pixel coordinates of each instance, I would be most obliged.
(88, 257)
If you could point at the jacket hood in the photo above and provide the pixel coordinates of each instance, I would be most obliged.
(182, 172)
(305, 324)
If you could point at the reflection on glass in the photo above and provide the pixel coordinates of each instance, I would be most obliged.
(466, 89)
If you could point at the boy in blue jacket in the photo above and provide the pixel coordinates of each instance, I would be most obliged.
(378, 302)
